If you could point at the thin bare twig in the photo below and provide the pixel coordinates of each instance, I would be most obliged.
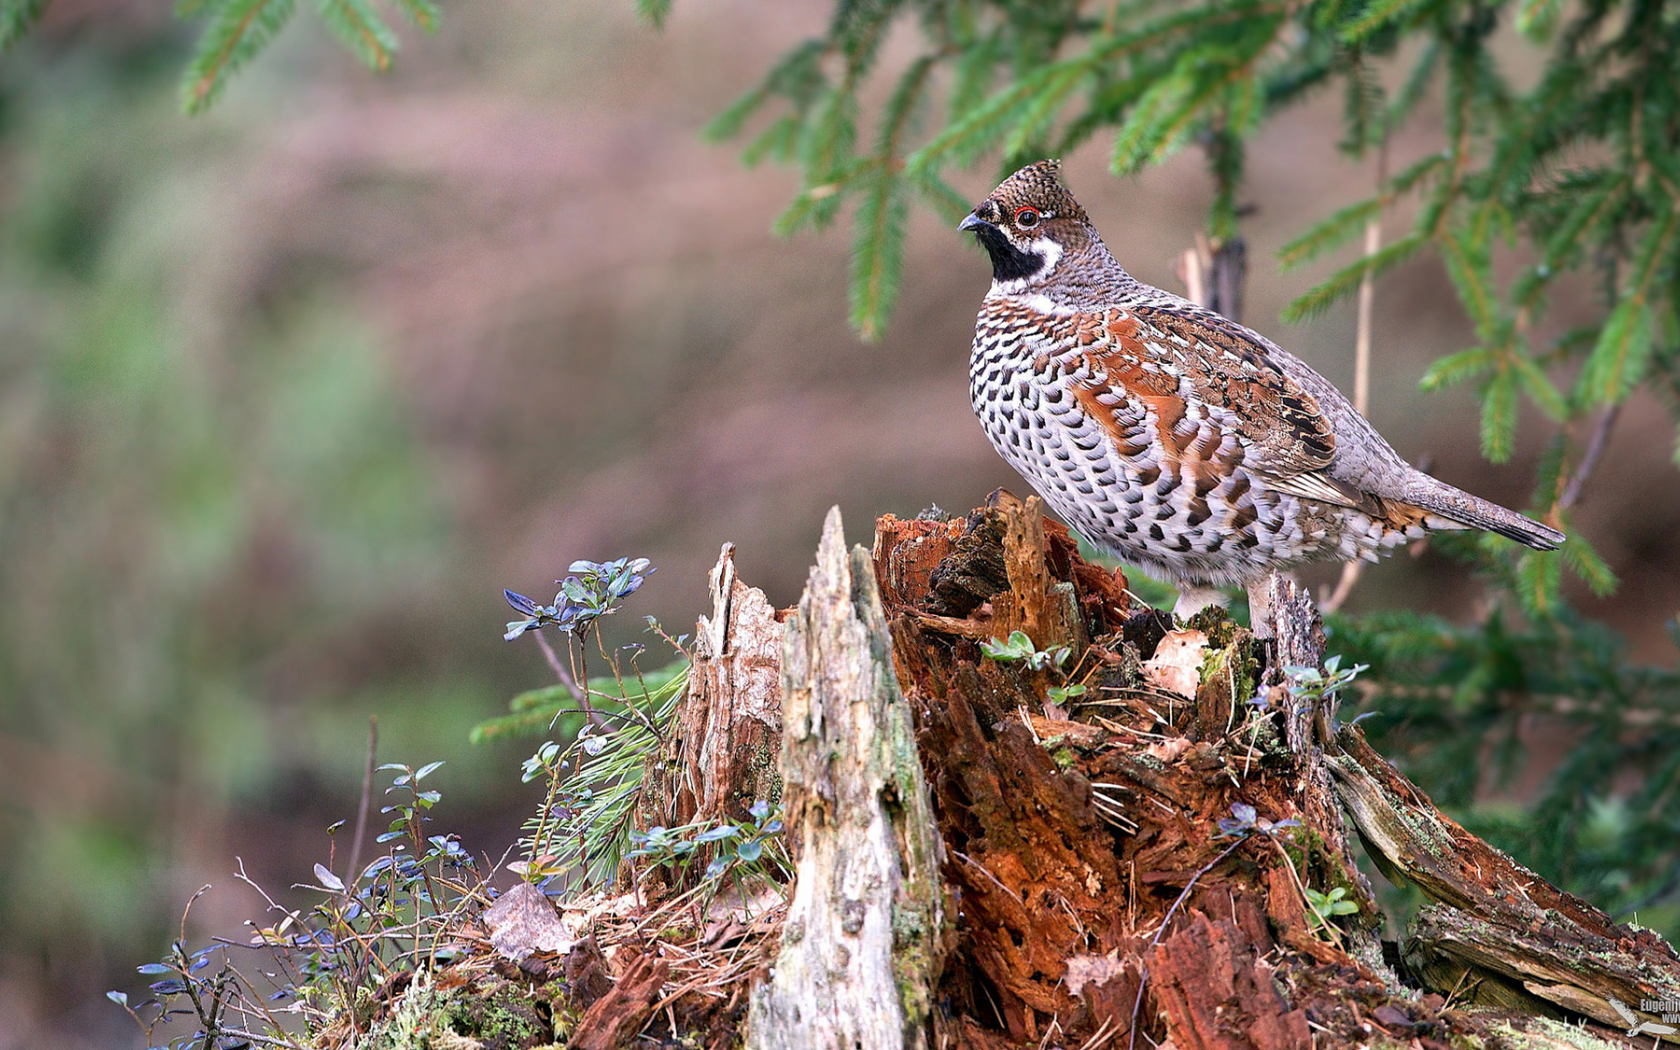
(367, 799)
(570, 683)
(1362, 359)
(1191, 272)
(1589, 459)
(1368, 296)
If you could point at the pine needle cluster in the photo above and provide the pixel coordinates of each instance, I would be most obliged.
(237, 31)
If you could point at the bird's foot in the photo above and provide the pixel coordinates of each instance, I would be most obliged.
(1260, 606)
(1192, 600)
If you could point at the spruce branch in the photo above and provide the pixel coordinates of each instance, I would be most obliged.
(359, 27)
(16, 16)
(425, 16)
(238, 31)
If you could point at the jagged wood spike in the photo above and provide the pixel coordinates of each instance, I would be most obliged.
(860, 949)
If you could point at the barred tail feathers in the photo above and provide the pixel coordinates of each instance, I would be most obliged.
(1478, 513)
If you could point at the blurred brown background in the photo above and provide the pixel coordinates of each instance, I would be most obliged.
(288, 393)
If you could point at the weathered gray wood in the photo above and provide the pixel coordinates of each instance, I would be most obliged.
(1297, 631)
(1298, 641)
(860, 947)
(732, 740)
(1501, 935)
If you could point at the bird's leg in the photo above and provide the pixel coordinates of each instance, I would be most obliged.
(1192, 600)
(1260, 605)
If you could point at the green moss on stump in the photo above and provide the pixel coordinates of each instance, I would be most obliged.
(492, 1015)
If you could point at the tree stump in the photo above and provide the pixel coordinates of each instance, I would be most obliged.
(1129, 871)
(1137, 859)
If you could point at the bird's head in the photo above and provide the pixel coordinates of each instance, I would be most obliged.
(1028, 225)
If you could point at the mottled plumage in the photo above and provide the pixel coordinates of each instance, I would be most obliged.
(1169, 435)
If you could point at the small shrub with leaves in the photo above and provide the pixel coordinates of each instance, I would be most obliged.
(313, 974)
(617, 724)
(1245, 822)
(752, 850)
(593, 590)
(306, 971)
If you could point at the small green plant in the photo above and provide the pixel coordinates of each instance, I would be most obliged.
(740, 850)
(1018, 648)
(1310, 686)
(315, 967)
(1245, 820)
(322, 965)
(594, 784)
(591, 591)
(1061, 694)
(1326, 906)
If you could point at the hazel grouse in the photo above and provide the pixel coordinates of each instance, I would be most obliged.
(1171, 436)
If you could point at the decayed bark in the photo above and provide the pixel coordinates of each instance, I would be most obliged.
(723, 753)
(983, 866)
(1498, 932)
(860, 946)
(616, 1017)
(1066, 915)
(1048, 875)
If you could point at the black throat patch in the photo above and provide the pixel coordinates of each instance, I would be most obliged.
(1009, 263)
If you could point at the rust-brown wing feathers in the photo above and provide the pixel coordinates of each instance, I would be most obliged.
(1165, 359)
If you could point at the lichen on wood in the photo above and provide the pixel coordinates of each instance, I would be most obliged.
(860, 945)
(1498, 932)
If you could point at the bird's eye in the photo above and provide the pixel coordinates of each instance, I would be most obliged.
(1026, 218)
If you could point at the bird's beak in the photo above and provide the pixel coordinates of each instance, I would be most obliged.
(973, 222)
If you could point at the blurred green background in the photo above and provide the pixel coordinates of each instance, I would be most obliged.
(288, 393)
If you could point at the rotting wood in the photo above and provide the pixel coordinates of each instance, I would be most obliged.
(1500, 933)
(1043, 881)
(861, 946)
(1093, 899)
(1039, 606)
(617, 1017)
(723, 752)
(1208, 973)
